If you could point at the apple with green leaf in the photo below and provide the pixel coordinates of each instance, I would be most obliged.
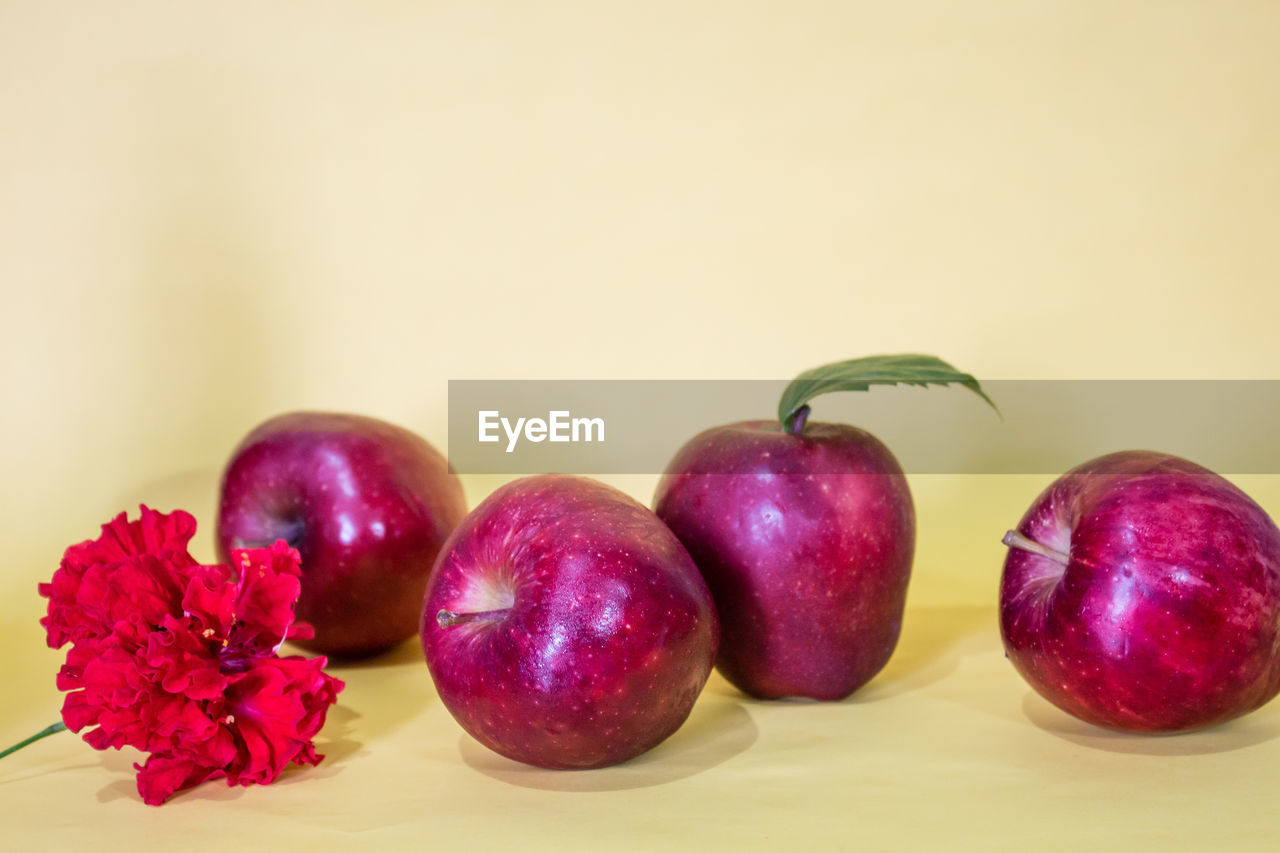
(805, 534)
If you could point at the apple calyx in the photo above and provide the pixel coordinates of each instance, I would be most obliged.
(1014, 539)
(448, 619)
(859, 374)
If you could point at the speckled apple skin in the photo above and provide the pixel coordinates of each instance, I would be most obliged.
(806, 542)
(1166, 617)
(610, 634)
(367, 504)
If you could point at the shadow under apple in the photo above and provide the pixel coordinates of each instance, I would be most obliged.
(1252, 729)
(717, 729)
(407, 652)
(933, 642)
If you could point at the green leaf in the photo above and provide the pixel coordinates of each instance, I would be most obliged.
(859, 374)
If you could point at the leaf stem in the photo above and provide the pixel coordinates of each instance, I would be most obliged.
(43, 733)
(794, 424)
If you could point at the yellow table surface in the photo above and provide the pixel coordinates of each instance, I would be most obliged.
(946, 749)
(211, 213)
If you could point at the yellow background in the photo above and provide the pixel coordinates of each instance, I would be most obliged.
(211, 213)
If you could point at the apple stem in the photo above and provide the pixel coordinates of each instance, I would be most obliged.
(795, 424)
(1014, 539)
(447, 618)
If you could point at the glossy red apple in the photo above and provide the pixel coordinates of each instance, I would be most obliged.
(1141, 592)
(565, 627)
(808, 570)
(805, 534)
(368, 506)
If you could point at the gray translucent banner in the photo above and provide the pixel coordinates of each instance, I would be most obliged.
(636, 426)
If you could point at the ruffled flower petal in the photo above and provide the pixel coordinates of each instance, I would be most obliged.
(133, 568)
(163, 776)
(269, 589)
(180, 660)
(279, 705)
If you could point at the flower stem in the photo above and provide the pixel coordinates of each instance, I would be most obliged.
(51, 730)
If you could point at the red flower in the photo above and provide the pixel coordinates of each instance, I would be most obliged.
(180, 660)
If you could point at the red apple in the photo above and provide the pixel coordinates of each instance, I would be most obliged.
(565, 627)
(368, 506)
(805, 534)
(1141, 592)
